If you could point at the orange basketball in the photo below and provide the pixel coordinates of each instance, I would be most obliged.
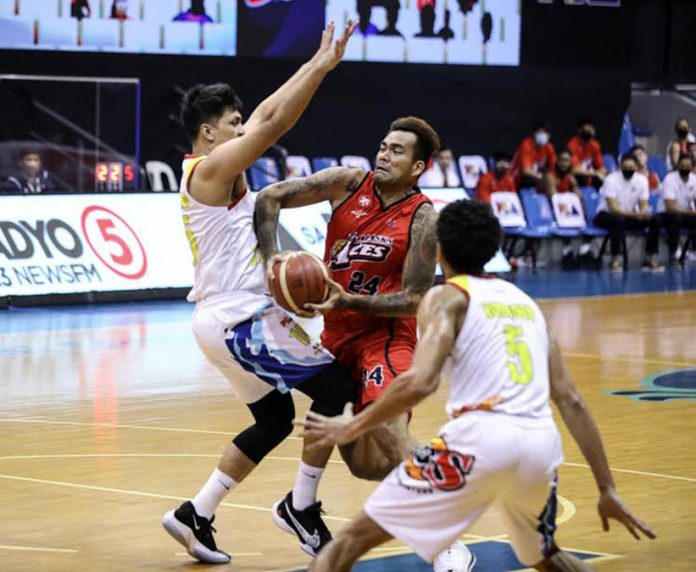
(300, 278)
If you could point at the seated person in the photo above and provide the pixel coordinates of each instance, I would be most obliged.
(497, 180)
(588, 163)
(641, 156)
(196, 13)
(442, 173)
(561, 180)
(679, 198)
(679, 145)
(534, 156)
(624, 206)
(119, 10)
(30, 178)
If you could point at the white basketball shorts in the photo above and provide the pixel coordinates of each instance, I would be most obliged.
(480, 459)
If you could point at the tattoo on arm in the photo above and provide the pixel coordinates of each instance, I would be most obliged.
(330, 184)
(419, 272)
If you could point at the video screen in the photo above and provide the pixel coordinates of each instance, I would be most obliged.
(468, 32)
(205, 27)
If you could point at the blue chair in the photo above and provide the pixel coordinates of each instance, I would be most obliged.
(657, 164)
(320, 163)
(610, 163)
(653, 202)
(263, 172)
(590, 200)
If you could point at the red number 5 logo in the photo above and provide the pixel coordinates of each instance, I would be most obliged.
(114, 242)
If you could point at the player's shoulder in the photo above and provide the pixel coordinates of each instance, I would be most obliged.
(449, 295)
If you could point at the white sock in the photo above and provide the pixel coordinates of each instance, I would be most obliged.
(306, 484)
(210, 496)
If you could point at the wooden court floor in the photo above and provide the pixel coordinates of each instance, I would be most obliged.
(110, 417)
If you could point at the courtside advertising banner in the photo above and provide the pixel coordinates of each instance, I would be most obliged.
(64, 244)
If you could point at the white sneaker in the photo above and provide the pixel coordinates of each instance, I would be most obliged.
(457, 558)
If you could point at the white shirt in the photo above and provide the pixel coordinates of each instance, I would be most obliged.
(627, 193)
(226, 257)
(435, 177)
(674, 188)
(500, 359)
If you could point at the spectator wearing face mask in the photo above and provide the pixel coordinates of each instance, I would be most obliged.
(680, 145)
(678, 203)
(442, 173)
(624, 206)
(30, 178)
(497, 180)
(638, 151)
(588, 164)
(535, 156)
(561, 180)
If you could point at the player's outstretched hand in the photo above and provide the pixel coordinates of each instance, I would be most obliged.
(330, 53)
(277, 257)
(328, 430)
(337, 299)
(611, 506)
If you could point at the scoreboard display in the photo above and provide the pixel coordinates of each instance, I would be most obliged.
(114, 177)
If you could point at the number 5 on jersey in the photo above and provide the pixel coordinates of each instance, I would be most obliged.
(520, 365)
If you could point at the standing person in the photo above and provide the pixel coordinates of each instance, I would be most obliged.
(588, 163)
(679, 203)
(380, 251)
(497, 180)
(534, 157)
(501, 444)
(679, 145)
(257, 346)
(624, 206)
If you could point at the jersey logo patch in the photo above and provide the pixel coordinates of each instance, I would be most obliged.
(434, 467)
(364, 202)
(370, 248)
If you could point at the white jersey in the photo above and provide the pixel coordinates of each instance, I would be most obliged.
(499, 361)
(627, 194)
(226, 258)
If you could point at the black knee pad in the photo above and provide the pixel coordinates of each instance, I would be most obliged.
(273, 415)
(330, 390)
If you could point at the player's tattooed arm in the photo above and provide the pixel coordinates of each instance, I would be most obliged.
(333, 185)
(418, 275)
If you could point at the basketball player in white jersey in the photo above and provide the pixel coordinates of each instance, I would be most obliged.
(257, 346)
(501, 446)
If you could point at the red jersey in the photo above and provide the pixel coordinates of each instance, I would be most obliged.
(588, 154)
(488, 184)
(529, 155)
(366, 247)
(564, 184)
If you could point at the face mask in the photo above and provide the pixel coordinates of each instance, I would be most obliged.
(684, 173)
(541, 138)
(500, 173)
(683, 133)
(585, 135)
(628, 173)
(562, 170)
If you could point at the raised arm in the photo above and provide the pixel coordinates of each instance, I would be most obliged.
(418, 275)
(333, 184)
(274, 117)
(582, 427)
(440, 318)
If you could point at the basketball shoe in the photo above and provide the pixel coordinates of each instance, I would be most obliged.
(306, 524)
(195, 533)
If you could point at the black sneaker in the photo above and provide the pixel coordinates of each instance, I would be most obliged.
(195, 533)
(306, 524)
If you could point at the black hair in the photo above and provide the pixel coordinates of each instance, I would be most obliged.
(632, 150)
(585, 120)
(469, 235)
(565, 152)
(627, 156)
(427, 139)
(197, 7)
(501, 156)
(540, 125)
(24, 151)
(206, 103)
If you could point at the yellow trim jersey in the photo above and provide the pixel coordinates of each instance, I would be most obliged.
(499, 361)
(225, 251)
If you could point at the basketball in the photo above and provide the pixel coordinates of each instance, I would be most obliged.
(299, 279)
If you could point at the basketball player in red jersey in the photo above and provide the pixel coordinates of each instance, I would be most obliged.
(380, 251)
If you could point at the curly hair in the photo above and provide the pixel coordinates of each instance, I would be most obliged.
(469, 235)
(206, 103)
